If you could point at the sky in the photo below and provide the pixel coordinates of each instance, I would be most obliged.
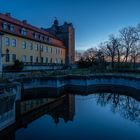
(93, 20)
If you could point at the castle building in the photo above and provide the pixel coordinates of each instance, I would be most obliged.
(66, 33)
(34, 46)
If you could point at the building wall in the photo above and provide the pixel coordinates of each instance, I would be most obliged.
(49, 51)
(29, 44)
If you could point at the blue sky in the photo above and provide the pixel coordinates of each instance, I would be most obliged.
(94, 20)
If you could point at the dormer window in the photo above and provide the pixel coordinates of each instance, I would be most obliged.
(35, 35)
(45, 38)
(41, 37)
(23, 32)
(12, 28)
(49, 40)
(5, 26)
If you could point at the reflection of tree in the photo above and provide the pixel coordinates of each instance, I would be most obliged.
(128, 107)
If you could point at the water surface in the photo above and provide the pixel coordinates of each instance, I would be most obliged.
(99, 116)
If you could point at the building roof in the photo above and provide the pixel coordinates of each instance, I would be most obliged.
(30, 30)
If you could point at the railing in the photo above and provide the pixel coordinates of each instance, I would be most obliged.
(42, 64)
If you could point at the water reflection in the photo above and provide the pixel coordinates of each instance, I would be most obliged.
(7, 110)
(126, 106)
(60, 108)
(30, 110)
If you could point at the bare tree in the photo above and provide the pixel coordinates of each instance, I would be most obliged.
(90, 54)
(135, 54)
(111, 49)
(129, 36)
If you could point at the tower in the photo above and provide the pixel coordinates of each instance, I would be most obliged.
(66, 33)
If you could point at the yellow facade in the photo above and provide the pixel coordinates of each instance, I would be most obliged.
(27, 51)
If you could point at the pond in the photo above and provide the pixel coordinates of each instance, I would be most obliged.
(99, 116)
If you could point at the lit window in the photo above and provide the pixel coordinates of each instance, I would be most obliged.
(23, 32)
(31, 46)
(7, 41)
(13, 43)
(5, 26)
(24, 45)
(24, 58)
(14, 57)
(12, 28)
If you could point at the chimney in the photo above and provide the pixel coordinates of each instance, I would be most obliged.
(8, 14)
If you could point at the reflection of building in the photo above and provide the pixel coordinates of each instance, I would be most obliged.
(30, 110)
(7, 110)
(61, 107)
(65, 110)
(32, 45)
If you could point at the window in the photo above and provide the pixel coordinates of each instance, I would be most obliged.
(7, 57)
(12, 28)
(47, 49)
(58, 51)
(41, 48)
(41, 37)
(49, 40)
(46, 59)
(24, 58)
(13, 43)
(45, 39)
(24, 45)
(36, 59)
(35, 35)
(61, 61)
(31, 46)
(56, 60)
(51, 60)
(23, 32)
(5, 26)
(37, 47)
(7, 41)
(42, 60)
(31, 59)
(51, 50)
(13, 57)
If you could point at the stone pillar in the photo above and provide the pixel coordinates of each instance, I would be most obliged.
(0, 54)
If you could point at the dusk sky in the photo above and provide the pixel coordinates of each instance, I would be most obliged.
(94, 20)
